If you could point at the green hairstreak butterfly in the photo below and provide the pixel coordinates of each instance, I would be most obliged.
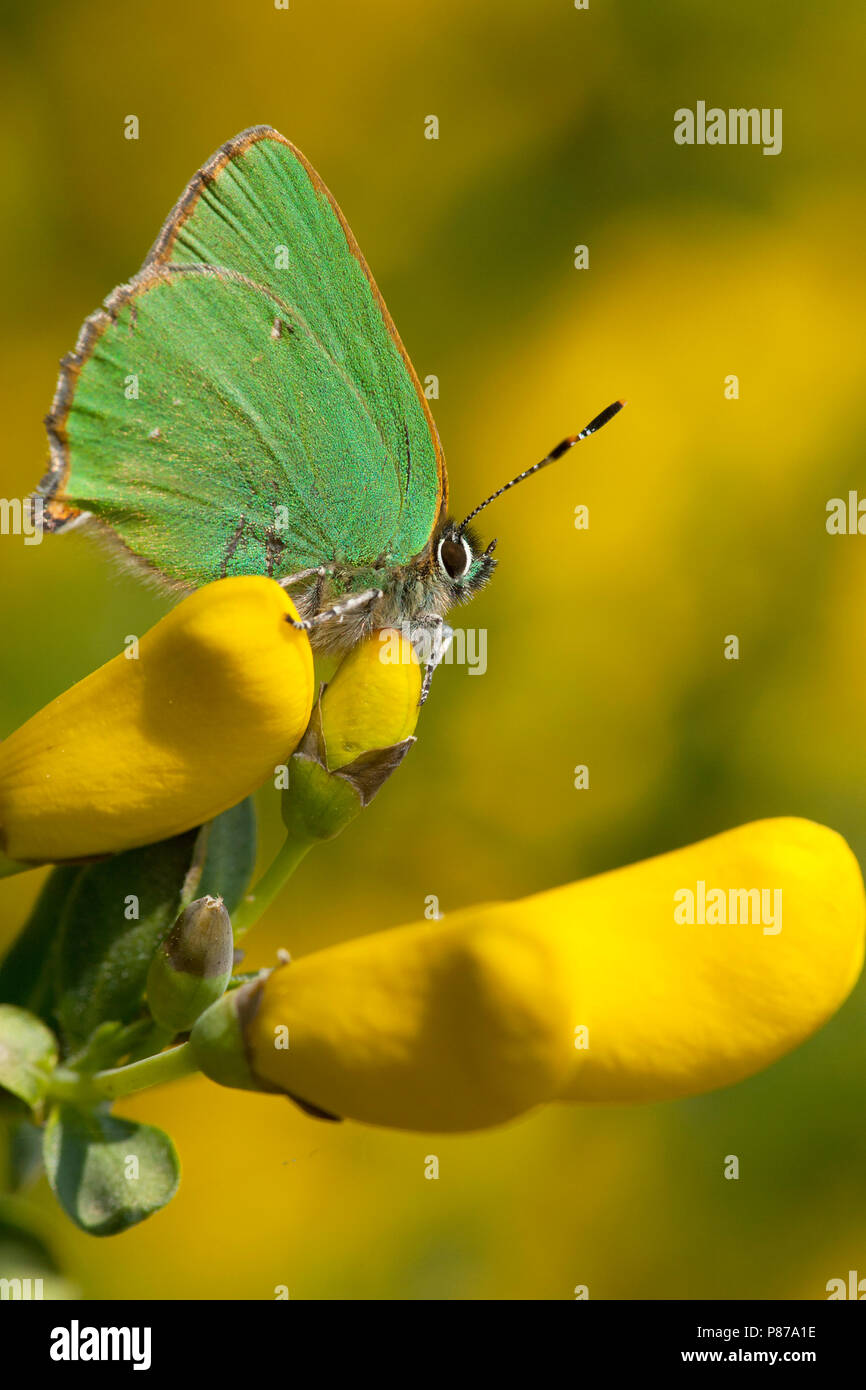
(244, 405)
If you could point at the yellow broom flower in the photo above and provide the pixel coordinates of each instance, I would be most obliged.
(360, 732)
(220, 692)
(664, 979)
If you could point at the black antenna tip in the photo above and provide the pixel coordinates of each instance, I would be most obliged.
(602, 419)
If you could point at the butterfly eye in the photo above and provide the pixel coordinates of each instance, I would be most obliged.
(455, 556)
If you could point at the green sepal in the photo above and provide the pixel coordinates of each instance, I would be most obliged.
(217, 1039)
(28, 1054)
(89, 1162)
(318, 803)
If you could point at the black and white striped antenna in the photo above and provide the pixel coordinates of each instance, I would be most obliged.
(557, 453)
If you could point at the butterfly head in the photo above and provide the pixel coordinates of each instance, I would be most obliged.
(461, 562)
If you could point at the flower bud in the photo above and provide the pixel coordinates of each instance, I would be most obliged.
(193, 965)
(372, 701)
(360, 731)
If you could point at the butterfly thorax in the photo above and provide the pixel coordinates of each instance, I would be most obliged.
(418, 594)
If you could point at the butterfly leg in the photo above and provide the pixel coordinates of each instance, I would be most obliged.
(314, 572)
(337, 612)
(441, 635)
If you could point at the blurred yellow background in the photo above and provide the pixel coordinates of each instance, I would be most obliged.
(605, 646)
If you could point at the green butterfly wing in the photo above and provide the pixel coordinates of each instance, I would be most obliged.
(244, 405)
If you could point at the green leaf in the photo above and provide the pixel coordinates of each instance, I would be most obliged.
(118, 912)
(231, 855)
(108, 1173)
(28, 1054)
(78, 941)
(27, 969)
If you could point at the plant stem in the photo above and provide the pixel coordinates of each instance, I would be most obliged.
(123, 1081)
(269, 885)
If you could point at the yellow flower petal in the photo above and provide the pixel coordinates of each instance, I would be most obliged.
(145, 748)
(465, 1023)
(372, 701)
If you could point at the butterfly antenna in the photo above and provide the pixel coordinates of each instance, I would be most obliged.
(557, 453)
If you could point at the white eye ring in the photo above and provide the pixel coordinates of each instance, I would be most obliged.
(452, 541)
